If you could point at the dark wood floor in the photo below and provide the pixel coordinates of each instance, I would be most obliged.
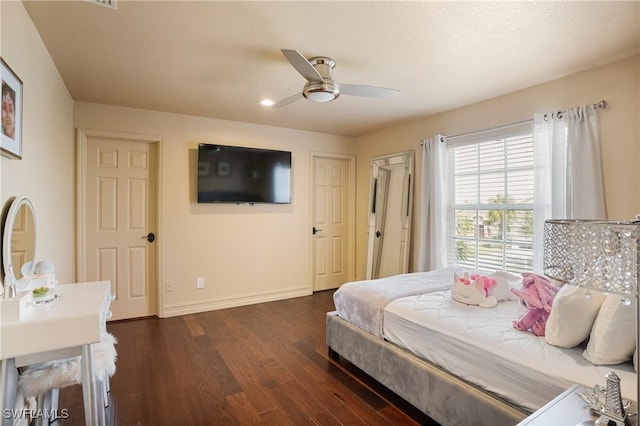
(264, 364)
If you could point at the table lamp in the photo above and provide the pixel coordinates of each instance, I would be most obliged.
(598, 255)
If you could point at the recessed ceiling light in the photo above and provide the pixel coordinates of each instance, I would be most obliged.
(267, 102)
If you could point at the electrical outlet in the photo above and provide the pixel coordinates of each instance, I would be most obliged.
(168, 285)
(200, 282)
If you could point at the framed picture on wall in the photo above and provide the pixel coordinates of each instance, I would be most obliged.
(11, 128)
(224, 168)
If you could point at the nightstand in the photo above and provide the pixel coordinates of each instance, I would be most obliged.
(565, 409)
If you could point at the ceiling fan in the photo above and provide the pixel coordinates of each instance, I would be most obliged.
(320, 86)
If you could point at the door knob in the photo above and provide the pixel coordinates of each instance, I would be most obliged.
(149, 237)
(316, 230)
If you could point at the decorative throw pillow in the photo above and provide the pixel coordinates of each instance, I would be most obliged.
(613, 337)
(572, 316)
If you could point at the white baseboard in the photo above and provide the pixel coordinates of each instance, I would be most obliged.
(175, 309)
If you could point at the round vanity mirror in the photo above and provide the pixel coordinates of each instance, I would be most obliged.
(19, 245)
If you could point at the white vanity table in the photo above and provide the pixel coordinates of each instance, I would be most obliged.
(66, 326)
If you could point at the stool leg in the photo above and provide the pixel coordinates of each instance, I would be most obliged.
(21, 406)
(105, 392)
(46, 406)
(102, 402)
(41, 402)
(55, 396)
(8, 387)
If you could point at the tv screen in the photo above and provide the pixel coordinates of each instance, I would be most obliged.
(231, 174)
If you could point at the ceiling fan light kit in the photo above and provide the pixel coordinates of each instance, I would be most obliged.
(320, 91)
(320, 86)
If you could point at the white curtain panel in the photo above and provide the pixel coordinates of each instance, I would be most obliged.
(432, 243)
(585, 189)
(549, 147)
(568, 166)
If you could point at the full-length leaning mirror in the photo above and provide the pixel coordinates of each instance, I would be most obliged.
(19, 243)
(390, 206)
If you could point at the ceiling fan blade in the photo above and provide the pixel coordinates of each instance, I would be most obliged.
(287, 101)
(302, 65)
(367, 91)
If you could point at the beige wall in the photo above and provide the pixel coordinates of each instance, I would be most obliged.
(245, 253)
(249, 254)
(617, 83)
(45, 173)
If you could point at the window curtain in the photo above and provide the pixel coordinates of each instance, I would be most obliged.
(568, 166)
(432, 244)
(585, 188)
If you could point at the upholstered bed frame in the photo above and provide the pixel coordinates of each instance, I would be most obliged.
(440, 395)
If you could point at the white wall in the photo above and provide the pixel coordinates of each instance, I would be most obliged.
(45, 173)
(617, 83)
(245, 253)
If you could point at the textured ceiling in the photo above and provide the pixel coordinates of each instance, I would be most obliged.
(218, 59)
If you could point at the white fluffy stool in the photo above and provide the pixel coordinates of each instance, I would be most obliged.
(43, 380)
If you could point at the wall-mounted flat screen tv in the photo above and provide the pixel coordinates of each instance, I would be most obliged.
(231, 174)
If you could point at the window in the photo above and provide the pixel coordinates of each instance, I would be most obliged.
(491, 195)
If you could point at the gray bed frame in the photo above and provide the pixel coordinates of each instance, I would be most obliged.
(442, 396)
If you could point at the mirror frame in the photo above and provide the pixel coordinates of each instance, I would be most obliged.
(406, 158)
(10, 278)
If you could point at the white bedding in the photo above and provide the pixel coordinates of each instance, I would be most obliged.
(362, 302)
(481, 346)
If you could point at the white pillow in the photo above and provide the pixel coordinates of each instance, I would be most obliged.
(572, 316)
(613, 337)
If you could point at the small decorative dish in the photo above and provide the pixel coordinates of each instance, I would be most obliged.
(43, 294)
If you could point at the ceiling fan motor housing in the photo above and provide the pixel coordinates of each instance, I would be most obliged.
(326, 90)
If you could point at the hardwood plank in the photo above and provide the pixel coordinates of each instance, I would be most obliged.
(242, 367)
(194, 326)
(212, 373)
(296, 404)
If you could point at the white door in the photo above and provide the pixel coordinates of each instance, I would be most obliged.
(332, 222)
(120, 221)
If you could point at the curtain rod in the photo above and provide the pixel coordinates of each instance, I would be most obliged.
(483, 131)
(600, 105)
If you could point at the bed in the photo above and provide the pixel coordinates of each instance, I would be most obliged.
(458, 364)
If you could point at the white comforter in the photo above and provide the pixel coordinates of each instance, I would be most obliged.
(481, 346)
(362, 302)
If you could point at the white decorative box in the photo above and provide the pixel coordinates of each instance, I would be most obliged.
(10, 308)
